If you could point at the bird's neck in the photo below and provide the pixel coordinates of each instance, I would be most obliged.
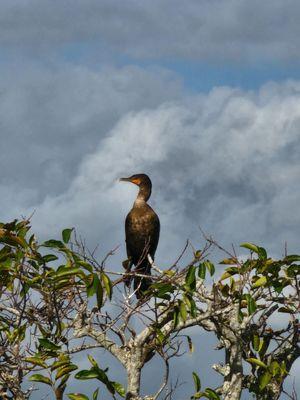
(143, 195)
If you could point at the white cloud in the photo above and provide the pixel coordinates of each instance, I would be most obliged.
(234, 30)
(52, 116)
(226, 161)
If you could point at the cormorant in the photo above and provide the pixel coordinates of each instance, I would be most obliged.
(142, 232)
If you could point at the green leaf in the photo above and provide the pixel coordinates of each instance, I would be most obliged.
(255, 342)
(274, 368)
(291, 258)
(119, 388)
(66, 234)
(190, 344)
(197, 382)
(54, 244)
(107, 284)
(262, 254)
(77, 396)
(49, 257)
(87, 374)
(36, 361)
(95, 394)
(102, 377)
(163, 290)
(46, 344)
(260, 282)
(64, 271)
(250, 246)
(212, 394)
(92, 361)
(210, 266)
(62, 362)
(8, 237)
(40, 378)
(284, 371)
(229, 261)
(65, 370)
(263, 346)
(251, 304)
(190, 278)
(257, 362)
(169, 272)
(197, 253)
(293, 270)
(85, 265)
(232, 284)
(264, 379)
(198, 395)
(182, 311)
(229, 272)
(193, 309)
(225, 275)
(202, 271)
(278, 286)
(176, 316)
(159, 336)
(224, 289)
(92, 283)
(99, 294)
(20, 332)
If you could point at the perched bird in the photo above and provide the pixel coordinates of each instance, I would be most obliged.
(142, 232)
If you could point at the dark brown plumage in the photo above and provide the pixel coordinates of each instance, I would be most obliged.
(142, 232)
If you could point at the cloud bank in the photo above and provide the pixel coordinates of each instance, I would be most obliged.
(226, 161)
(236, 30)
(52, 116)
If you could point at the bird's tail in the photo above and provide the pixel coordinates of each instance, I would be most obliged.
(141, 284)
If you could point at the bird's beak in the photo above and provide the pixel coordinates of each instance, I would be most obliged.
(124, 180)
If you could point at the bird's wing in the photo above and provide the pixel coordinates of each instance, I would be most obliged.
(142, 230)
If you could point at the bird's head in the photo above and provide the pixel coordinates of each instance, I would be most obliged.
(138, 179)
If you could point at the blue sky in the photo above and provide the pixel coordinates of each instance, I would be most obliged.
(201, 77)
(204, 96)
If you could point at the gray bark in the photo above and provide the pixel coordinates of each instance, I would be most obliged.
(229, 333)
(134, 366)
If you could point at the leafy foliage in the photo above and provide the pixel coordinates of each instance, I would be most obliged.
(44, 286)
(54, 292)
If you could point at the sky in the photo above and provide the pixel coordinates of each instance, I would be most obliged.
(203, 96)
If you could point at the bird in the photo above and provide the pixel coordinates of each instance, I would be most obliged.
(142, 229)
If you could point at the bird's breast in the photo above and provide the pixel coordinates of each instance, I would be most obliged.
(142, 222)
(142, 230)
